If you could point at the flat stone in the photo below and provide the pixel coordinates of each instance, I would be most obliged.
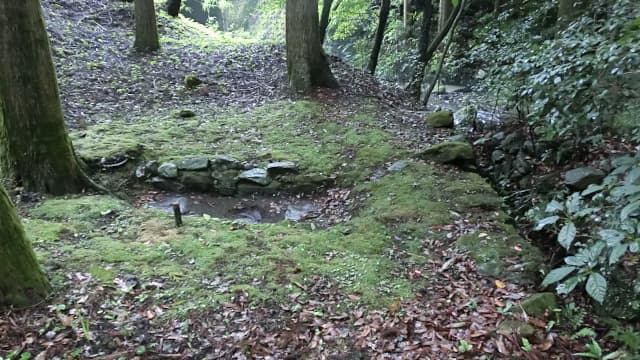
(515, 327)
(258, 176)
(301, 212)
(398, 165)
(281, 167)
(580, 178)
(449, 152)
(538, 304)
(193, 163)
(227, 162)
(168, 170)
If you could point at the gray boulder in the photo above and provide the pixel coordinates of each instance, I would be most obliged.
(193, 163)
(281, 167)
(168, 170)
(580, 178)
(257, 176)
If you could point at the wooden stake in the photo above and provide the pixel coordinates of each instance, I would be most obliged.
(406, 11)
(177, 214)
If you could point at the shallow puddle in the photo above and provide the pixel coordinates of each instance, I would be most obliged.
(251, 209)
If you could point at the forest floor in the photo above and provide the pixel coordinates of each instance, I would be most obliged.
(401, 259)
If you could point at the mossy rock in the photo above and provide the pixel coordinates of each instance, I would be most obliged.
(440, 119)
(449, 152)
(191, 81)
(538, 304)
(504, 255)
(515, 327)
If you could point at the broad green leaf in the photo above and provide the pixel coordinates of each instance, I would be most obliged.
(558, 274)
(567, 235)
(594, 251)
(553, 207)
(616, 253)
(593, 188)
(596, 287)
(587, 211)
(574, 203)
(547, 221)
(625, 190)
(611, 236)
(579, 259)
(568, 285)
(455, 3)
(628, 210)
(632, 177)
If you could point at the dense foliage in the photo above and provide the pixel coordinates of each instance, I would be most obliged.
(599, 228)
(570, 83)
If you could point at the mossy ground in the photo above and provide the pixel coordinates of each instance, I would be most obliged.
(206, 262)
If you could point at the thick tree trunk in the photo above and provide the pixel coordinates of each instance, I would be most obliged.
(146, 29)
(307, 64)
(413, 87)
(444, 12)
(377, 45)
(173, 7)
(324, 19)
(21, 280)
(35, 150)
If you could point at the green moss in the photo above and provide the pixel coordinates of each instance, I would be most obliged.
(504, 255)
(83, 208)
(449, 152)
(45, 231)
(440, 119)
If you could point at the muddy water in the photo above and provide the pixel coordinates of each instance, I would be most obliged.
(251, 209)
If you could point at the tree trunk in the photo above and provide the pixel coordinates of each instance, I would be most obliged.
(146, 29)
(324, 19)
(382, 25)
(445, 51)
(444, 12)
(307, 64)
(173, 7)
(496, 8)
(35, 150)
(414, 87)
(568, 10)
(21, 280)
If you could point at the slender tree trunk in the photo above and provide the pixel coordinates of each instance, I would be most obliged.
(496, 8)
(415, 85)
(35, 150)
(146, 29)
(307, 64)
(21, 280)
(444, 52)
(173, 7)
(324, 19)
(382, 26)
(568, 10)
(444, 12)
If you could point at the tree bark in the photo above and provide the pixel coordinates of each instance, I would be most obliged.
(35, 150)
(173, 7)
(307, 64)
(444, 12)
(414, 87)
(324, 19)
(146, 29)
(377, 45)
(445, 51)
(22, 282)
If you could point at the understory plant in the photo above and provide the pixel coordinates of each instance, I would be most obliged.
(598, 228)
